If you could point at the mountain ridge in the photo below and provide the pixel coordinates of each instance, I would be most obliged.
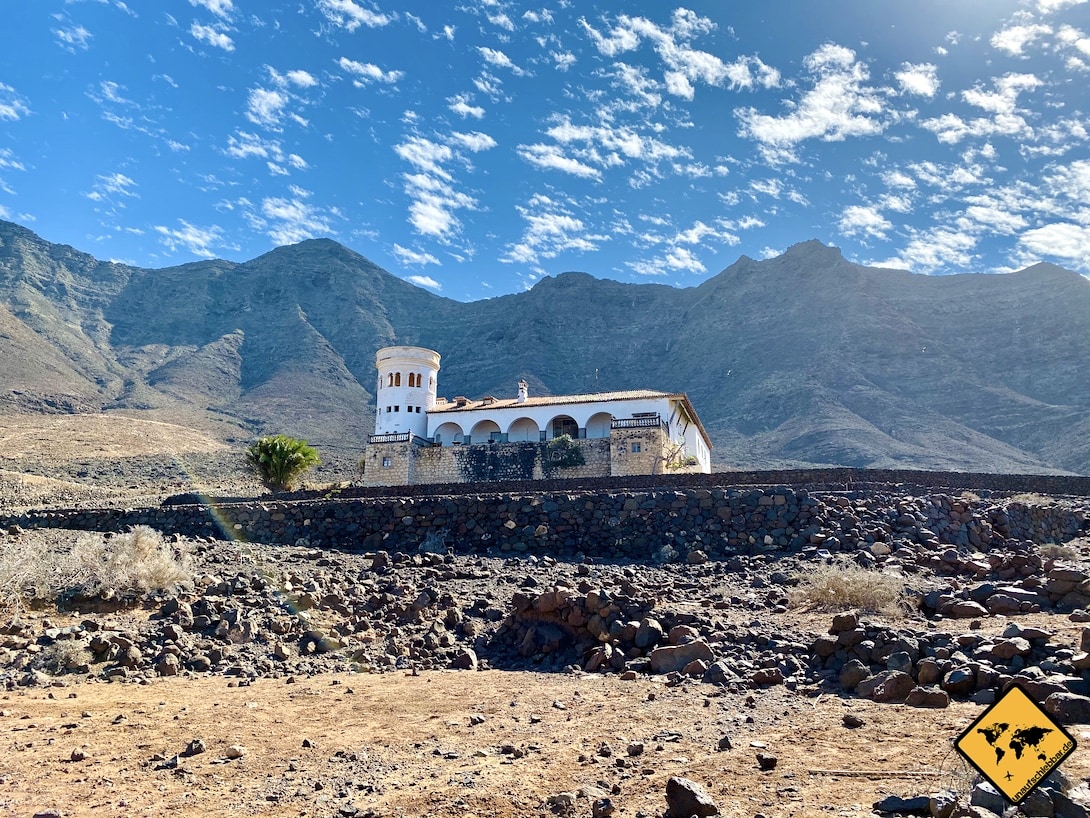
(805, 358)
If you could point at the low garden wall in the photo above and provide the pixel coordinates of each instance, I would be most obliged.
(660, 524)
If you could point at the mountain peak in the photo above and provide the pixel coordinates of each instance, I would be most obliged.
(811, 247)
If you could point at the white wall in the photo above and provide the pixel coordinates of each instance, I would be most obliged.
(543, 416)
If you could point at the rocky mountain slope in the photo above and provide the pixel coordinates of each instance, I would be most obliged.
(803, 358)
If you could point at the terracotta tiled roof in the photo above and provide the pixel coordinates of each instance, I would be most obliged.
(552, 400)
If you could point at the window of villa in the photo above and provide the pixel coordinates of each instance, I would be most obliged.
(386, 463)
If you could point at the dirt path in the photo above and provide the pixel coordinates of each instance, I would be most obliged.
(399, 744)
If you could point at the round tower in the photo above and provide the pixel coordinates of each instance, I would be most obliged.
(406, 389)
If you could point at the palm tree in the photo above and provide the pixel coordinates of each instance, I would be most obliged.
(280, 460)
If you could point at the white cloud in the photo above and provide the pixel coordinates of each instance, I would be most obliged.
(426, 281)
(563, 59)
(1071, 37)
(550, 157)
(838, 106)
(303, 79)
(460, 105)
(220, 8)
(266, 106)
(368, 72)
(1062, 240)
(112, 184)
(502, 20)
(434, 202)
(12, 106)
(111, 92)
(475, 141)
(1049, 6)
(684, 65)
(245, 145)
(551, 229)
(408, 256)
(73, 38)
(898, 179)
(921, 80)
(857, 219)
(585, 150)
(1002, 104)
(936, 250)
(197, 240)
(497, 58)
(8, 160)
(1014, 39)
(212, 36)
(425, 155)
(350, 16)
(287, 220)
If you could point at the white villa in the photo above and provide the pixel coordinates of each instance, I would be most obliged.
(421, 438)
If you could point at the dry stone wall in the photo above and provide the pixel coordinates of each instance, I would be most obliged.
(657, 525)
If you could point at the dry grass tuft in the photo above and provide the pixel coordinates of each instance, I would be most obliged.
(138, 562)
(1053, 551)
(1032, 499)
(845, 587)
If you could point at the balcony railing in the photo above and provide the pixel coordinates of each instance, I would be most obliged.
(639, 423)
(390, 437)
(399, 437)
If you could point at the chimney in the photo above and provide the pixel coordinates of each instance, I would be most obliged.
(524, 391)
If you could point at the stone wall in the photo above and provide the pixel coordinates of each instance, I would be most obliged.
(651, 441)
(412, 464)
(663, 525)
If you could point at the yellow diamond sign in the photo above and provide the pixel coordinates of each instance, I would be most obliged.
(1014, 744)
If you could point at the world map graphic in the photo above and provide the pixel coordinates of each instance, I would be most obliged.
(1017, 742)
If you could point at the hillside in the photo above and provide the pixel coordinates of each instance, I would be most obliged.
(803, 358)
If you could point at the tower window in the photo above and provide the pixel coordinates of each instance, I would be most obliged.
(386, 463)
(391, 383)
(397, 408)
(397, 379)
(388, 410)
(636, 447)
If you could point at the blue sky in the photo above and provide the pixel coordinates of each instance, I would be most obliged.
(473, 148)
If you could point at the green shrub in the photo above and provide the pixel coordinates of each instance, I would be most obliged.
(280, 460)
(563, 453)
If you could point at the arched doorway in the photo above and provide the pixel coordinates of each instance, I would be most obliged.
(563, 425)
(448, 434)
(524, 429)
(599, 425)
(484, 431)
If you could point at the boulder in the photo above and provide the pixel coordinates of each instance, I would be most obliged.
(673, 658)
(1068, 708)
(928, 697)
(685, 798)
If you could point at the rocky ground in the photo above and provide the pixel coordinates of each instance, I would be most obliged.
(287, 680)
(424, 683)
